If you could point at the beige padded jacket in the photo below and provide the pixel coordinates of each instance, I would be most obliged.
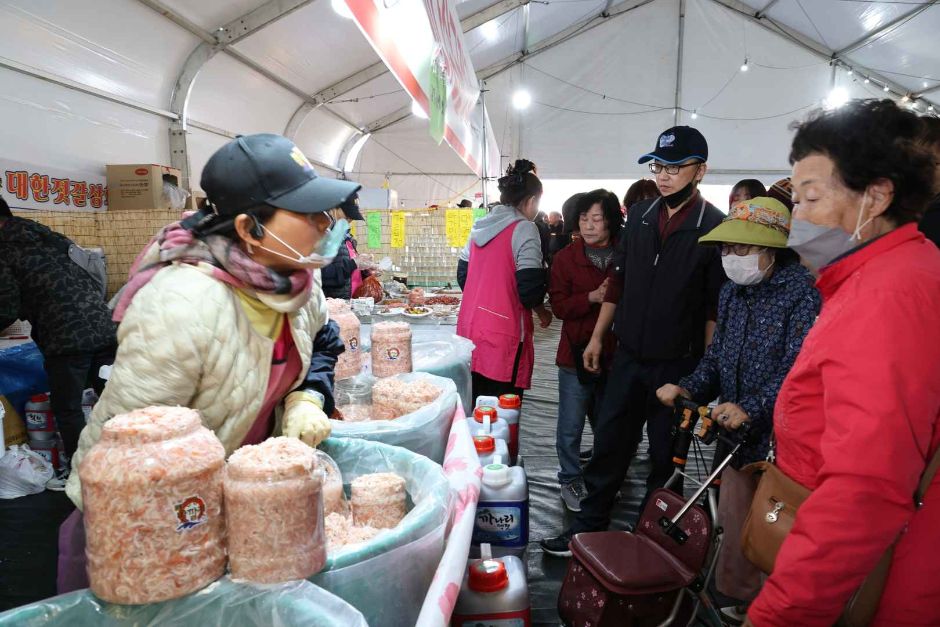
(185, 340)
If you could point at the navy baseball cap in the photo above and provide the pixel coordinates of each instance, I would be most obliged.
(678, 144)
(269, 169)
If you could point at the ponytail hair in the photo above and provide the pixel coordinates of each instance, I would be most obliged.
(520, 183)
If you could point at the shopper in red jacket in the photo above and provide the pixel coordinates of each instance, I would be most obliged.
(859, 414)
(579, 282)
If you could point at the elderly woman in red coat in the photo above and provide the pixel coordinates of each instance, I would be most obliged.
(858, 417)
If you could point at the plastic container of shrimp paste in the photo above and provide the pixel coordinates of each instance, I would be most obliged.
(152, 489)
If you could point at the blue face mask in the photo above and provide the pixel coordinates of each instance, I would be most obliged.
(326, 250)
(818, 245)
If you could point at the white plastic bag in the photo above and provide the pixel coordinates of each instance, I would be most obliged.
(23, 472)
(448, 358)
(176, 196)
(423, 431)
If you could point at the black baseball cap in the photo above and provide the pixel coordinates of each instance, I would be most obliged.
(269, 169)
(678, 144)
(351, 208)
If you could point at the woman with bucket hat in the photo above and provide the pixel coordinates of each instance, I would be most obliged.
(764, 312)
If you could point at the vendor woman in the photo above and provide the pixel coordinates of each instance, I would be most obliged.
(224, 312)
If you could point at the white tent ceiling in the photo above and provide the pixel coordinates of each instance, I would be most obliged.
(89, 82)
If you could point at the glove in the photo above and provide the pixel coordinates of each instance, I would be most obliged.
(304, 418)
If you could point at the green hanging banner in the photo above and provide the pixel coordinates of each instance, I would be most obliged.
(437, 100)
(374, 229)
(478, 213)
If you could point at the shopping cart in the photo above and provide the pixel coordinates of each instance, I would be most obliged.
(660, 573)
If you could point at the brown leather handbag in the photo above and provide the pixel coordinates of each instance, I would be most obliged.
(772, 514)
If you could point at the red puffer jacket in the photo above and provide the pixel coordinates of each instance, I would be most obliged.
(573, 278)
(856, 421)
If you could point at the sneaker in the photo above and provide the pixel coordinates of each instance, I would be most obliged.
(585, 456)
(57, 483)
(734, 615)
(571, 495)
(557, 546)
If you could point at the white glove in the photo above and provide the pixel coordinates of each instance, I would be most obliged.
(304, 418)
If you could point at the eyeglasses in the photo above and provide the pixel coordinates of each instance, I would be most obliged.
(741, 250)
(670, 168)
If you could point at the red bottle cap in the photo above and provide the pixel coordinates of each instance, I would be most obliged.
(483, 411)
(510, 401)
(488, 576)
(484, 443)
(39, 398)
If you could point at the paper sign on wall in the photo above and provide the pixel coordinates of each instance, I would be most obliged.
(452, 228)
(466, 223)
(478, 213)
(398, 229)
(374, 229)
(26, 186)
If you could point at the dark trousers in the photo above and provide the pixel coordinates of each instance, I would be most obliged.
(69, 376)
(629, 402)
(484, 386)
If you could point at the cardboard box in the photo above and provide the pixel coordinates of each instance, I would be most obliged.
(139, 186)
(14, 429)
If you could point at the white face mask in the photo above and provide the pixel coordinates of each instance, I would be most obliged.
(326, 250)
(744, 270)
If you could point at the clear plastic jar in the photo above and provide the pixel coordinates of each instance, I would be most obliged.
(349, 363)
(274, 512)
(152, 492)
(391, 349)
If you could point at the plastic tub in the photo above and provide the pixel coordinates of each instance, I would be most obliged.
(388, 577)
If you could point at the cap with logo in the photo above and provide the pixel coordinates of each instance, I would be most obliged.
(269, 169)
(678, 144)
(760, 221)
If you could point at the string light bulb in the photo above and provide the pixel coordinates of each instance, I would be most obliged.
(744, 66)
(867, 80)
(851, 72)
(905, 98)
(694, 115)
(885, 88)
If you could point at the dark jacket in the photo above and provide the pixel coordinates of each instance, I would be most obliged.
(40, 283)
(544, 238)
(573, 277)
(557, 240)
(759, 334)
(669, 289)
(337, 277)
(930, 223)
(328, 345)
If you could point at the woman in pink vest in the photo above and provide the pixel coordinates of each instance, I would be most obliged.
(503, 278)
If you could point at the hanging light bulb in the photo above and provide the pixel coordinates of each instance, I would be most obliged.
(836, 98)
(930, 108)
(694, 115)
(885, 88)
(867, 80)
(490, 30)
(744, 66)
(905, 98)
(521, 99)
(417, 111)
(851, 72)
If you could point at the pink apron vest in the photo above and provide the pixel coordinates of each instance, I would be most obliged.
(356, 281)
(492, 317)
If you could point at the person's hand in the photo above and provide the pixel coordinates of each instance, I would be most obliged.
(545, 317)
(730, 416)
(668, 394)
(304, 418)
(592, 356)
(597, 296)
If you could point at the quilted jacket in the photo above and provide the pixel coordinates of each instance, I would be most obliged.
(185, 340)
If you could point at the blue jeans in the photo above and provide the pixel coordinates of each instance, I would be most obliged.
(575, 401)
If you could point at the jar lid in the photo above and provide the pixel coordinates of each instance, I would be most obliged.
(510, 401)
(496, 475)
(483, 411)
(39, 398)
(484, 443)
(488, 576)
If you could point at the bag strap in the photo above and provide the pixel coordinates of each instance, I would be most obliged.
(927, 478)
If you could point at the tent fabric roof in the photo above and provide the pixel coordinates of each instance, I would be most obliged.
(101, 75)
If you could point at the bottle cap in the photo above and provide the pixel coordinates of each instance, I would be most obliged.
(484, 443)
(483, 411)
(496, 475)
(487, 574)
(510, 401)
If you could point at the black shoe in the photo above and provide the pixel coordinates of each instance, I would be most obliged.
(585, 456)
(557, 546)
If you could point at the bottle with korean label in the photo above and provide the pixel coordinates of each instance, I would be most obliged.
(494, 594)
(502, 517)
